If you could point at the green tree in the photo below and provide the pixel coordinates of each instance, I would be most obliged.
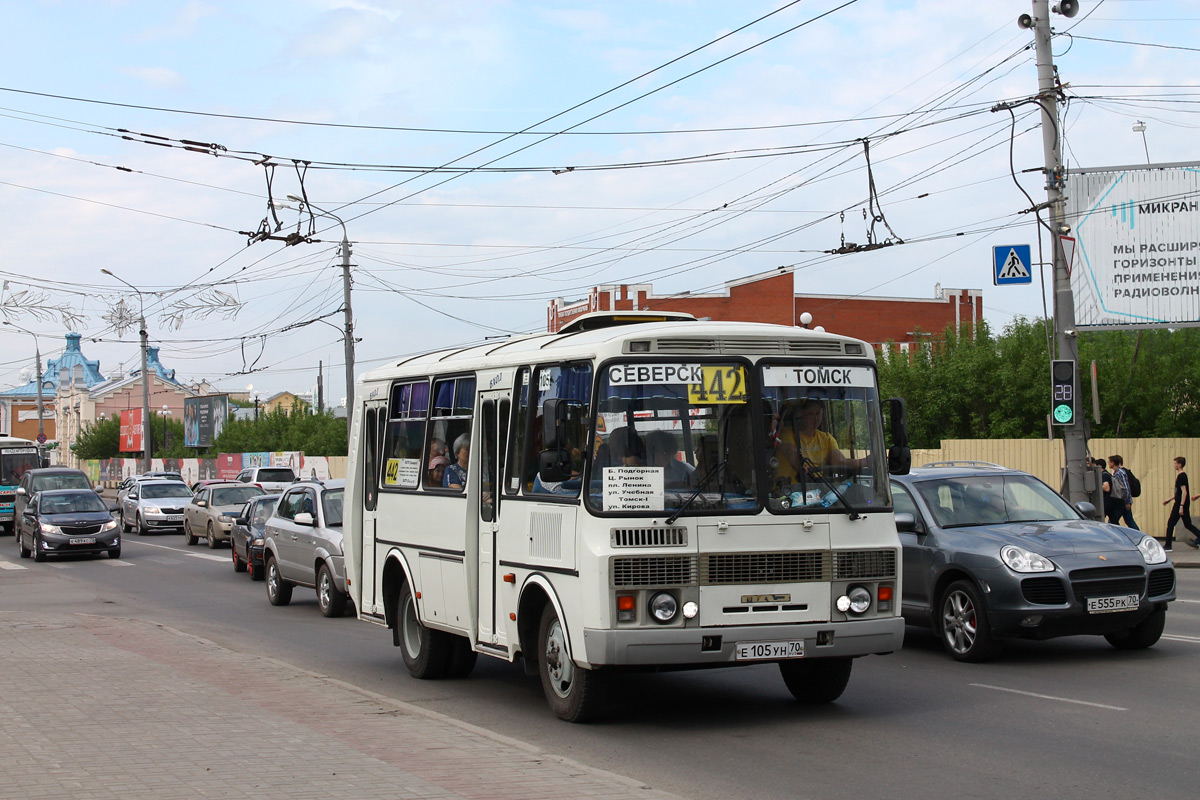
(314, 434)
(101, 439)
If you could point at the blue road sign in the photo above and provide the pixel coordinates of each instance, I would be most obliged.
(1011, 264)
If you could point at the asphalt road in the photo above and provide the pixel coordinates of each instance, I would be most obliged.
(1070, 717)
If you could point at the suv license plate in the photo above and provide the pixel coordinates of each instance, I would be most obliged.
(762, 651)
(84, 540)
(1106, 605)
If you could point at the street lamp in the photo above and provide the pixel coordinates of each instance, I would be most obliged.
(1140, 127)
(146, 435)
(348, 334)
(37, 355)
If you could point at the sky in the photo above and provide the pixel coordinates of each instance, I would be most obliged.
(485, 157)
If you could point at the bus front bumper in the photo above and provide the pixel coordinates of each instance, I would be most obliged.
(682, 647)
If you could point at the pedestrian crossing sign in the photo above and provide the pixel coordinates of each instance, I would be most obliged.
(1011, 264)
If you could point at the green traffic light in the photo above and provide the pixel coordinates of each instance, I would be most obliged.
(1063, 413)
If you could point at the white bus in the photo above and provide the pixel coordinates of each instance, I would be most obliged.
(635, 491)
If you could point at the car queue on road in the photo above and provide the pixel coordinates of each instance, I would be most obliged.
(989, 553)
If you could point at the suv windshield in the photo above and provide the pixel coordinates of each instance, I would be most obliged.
(992, 500)
(166, 490)
(824, 437)
(670, 434)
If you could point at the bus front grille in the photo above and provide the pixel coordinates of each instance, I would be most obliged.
(755, 568)
(649, 537)
(859, 565)
(653, 571)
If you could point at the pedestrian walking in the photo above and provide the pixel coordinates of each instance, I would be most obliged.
(1106, 486)
(1122, 506)
(1180, 511)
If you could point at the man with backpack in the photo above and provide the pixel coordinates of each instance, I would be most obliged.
(1123, 492)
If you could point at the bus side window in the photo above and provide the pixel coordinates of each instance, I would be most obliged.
(573, 383)
(453, 400)
(408, 411)
(519, 434)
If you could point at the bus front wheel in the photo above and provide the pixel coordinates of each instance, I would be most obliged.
(574, 693)
(426, 652)
(818, 680)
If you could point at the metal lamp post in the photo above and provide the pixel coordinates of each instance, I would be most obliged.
(146, 434)
(348, 334)
(37, 355)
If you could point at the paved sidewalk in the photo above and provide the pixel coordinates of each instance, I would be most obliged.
(98, 707)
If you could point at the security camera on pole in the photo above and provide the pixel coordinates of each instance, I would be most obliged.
(1065, 367)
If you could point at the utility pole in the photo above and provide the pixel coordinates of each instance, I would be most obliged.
(147, 434)
(349, 330)
(1074, 437)
(320, 387)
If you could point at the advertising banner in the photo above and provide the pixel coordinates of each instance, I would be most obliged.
(1137, 246)
(203, 419)
(229, 465)
(131, 431)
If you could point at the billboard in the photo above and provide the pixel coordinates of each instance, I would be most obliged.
(1137, 245)
(203, 419)
(131, 431)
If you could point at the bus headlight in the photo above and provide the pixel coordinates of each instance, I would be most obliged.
(663, 607)
(855, 601)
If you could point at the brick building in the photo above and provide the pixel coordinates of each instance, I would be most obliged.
(771, 297)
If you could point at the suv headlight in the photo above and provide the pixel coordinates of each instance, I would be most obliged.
(1018, 559)
(1152, 551)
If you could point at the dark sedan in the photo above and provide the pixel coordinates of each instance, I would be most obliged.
(63, 522)
(992, 554)
(246, 535)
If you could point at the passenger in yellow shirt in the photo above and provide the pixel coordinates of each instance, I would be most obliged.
(815, 445)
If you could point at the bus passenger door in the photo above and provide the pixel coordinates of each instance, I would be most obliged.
(493, 417)
(374, 422)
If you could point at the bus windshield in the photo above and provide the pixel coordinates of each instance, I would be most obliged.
(14, 463)
(670, 435)
(825, 438)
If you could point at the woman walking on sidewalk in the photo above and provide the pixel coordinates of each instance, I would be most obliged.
(1180, 511)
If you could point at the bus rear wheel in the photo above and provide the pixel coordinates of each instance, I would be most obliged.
(426, 652)
(574, 693)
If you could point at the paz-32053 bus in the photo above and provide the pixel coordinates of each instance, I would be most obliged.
(628, 494)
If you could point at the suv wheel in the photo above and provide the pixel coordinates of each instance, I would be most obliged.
(331, 599)
(965, 630)
(279, 591)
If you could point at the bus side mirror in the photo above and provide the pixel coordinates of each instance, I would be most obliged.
(554, 423)
(899, 455)
(554, 466)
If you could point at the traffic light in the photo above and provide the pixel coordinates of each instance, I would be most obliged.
(1062, 381)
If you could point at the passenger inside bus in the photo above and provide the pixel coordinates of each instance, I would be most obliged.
(437, 470)
(625, 448)
(456, 473)
(662, 448)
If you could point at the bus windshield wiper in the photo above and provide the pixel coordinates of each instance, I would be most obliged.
(815, 471)
(701, 485)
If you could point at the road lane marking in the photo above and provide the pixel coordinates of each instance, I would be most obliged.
(10, 565)
(177, 551)
(1181, 600)
(116, 562)
(1049, 697)
(1178, 638)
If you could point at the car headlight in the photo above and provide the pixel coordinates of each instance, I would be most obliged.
(108, 526)
(1019, 559)
(48, 528)
(663, 607)
(1152, 551)
(151, 509)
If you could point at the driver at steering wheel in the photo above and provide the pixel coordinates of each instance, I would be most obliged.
(802, 444)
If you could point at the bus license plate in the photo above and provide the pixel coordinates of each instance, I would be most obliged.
(1106, 605)
(763, 651)
(84, 540)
